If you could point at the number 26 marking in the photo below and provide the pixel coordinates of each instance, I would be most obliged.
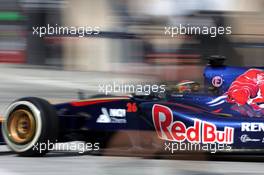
(131, 107)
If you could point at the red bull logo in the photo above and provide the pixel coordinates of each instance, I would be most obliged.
(200, 132)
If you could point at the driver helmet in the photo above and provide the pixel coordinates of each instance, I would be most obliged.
(186, 86)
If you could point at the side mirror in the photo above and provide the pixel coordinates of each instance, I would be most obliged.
(81, 95)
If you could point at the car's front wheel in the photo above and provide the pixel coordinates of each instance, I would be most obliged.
(30, 126)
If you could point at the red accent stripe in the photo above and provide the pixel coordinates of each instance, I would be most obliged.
(217, 110)
(86, 103)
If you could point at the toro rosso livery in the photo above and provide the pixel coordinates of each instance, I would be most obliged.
(228, 110)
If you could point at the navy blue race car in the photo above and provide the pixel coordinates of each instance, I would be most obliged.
(227, 113)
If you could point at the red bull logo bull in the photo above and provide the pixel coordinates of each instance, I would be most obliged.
(248, 88)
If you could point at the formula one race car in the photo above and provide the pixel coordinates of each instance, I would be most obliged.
(227, 113)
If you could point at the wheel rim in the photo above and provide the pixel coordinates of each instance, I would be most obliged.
(21, 126)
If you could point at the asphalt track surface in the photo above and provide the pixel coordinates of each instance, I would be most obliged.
(56, 86)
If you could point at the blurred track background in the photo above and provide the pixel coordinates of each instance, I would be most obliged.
(136, 50)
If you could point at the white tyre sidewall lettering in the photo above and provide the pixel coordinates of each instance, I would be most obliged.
(37, 117)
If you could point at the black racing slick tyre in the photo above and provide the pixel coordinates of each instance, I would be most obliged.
(30, 126)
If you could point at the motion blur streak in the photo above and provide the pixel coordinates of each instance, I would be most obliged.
(132, 49)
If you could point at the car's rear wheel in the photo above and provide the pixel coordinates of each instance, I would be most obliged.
(30, 126)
